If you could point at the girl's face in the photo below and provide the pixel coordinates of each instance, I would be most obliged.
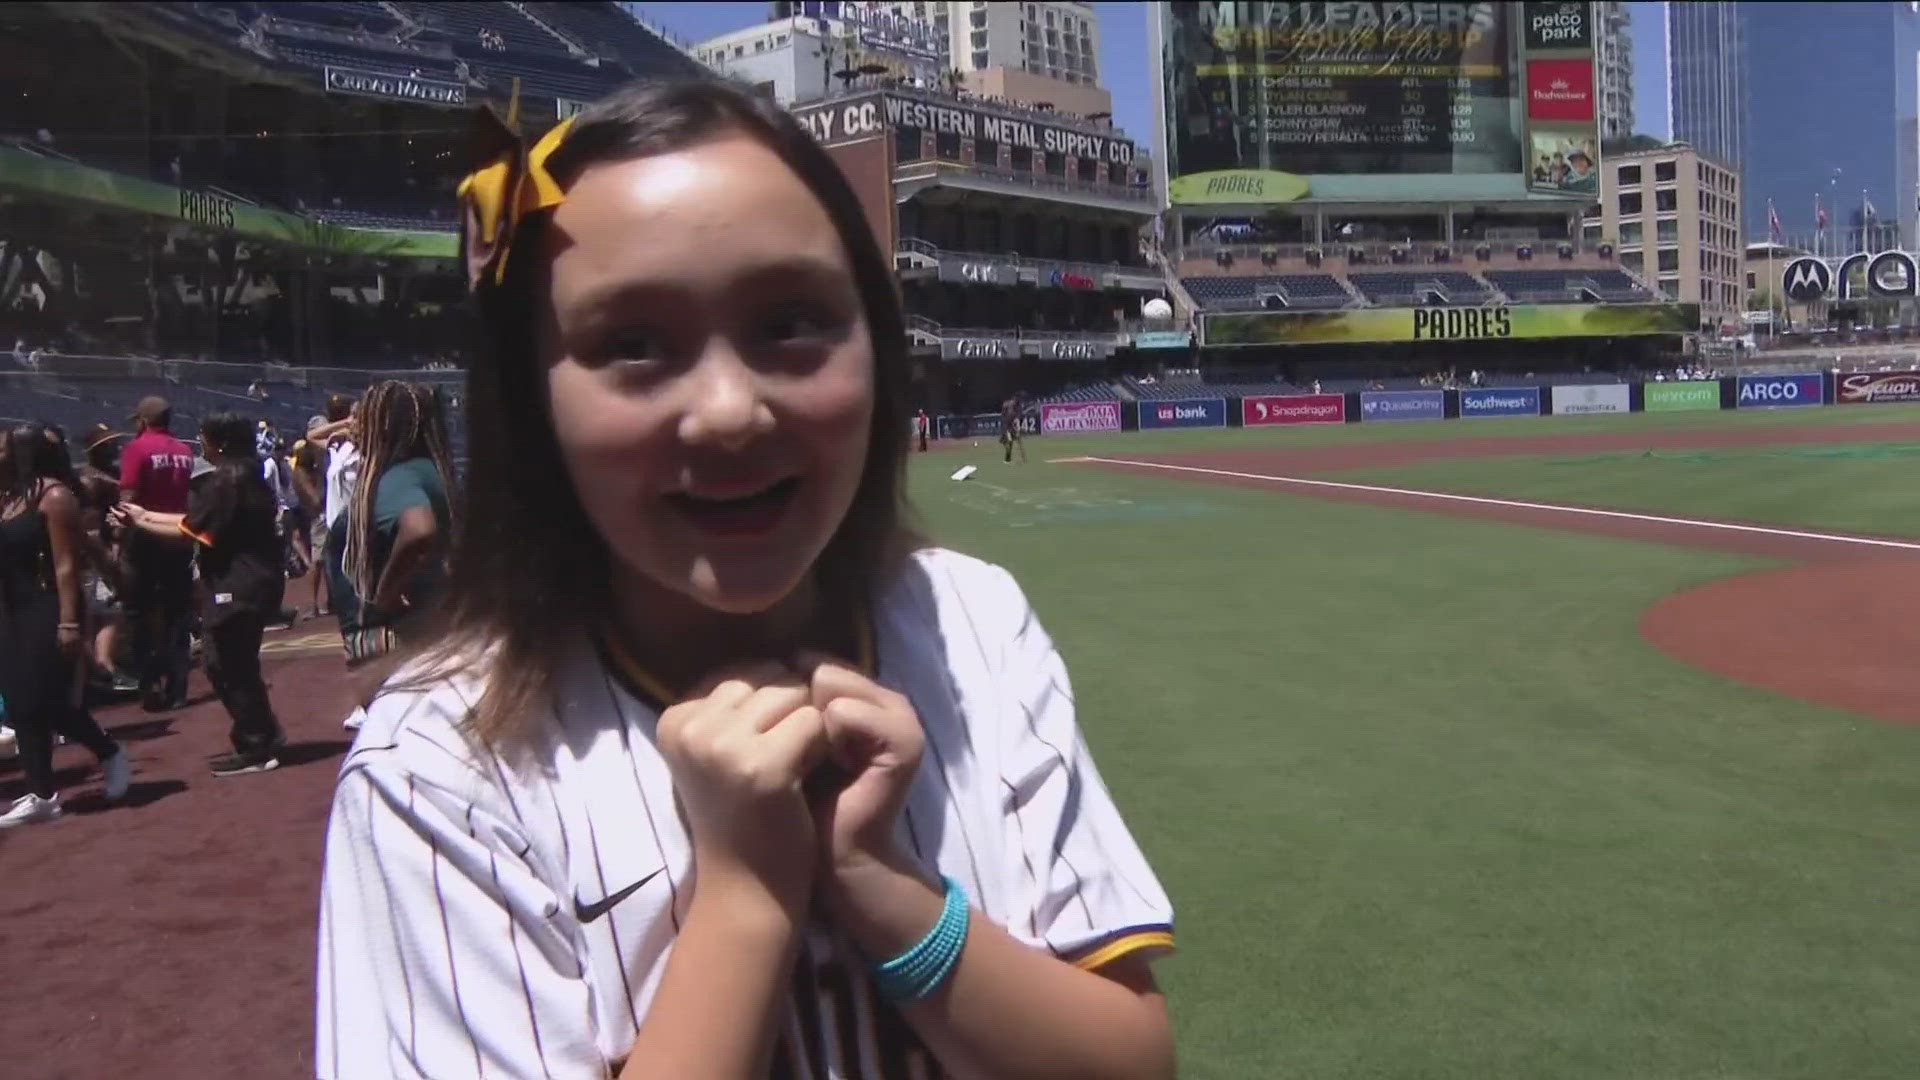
(709, 370)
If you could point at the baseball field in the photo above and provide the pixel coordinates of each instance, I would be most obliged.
(1571, 747)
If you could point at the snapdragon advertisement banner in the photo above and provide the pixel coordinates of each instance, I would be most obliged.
(1294, 409)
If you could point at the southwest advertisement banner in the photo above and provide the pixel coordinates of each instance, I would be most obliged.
(1191, 412)
(1778, 391)
(1517, 401)
(1694, 396)
(1448, 324)
(1058, 419)
(1586, 400)
(1402, 405)
(1294, 409)
(1862, 387)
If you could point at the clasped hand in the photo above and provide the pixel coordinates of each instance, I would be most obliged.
(790, 774)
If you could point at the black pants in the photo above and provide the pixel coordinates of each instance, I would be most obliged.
(233, 667)
(158, 600)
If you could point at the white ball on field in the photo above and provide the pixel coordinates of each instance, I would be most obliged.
(1157, 308)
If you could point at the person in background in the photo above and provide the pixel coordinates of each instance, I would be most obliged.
(157, 575)
(310, 483)
(922, 423)
(400, 523)
(230, 523)
(100, 490)
(1010, 434)
(339, 438)
(42, 628)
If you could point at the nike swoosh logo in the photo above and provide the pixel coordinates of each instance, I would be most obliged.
(586, 913)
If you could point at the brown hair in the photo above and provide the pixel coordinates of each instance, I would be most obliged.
(399, 421)
(527, 563)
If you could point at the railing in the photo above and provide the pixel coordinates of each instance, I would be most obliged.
(1378, 253)
(196, 373)
(274, 24)
(928, 326)
(1026, 262)
(927, 170)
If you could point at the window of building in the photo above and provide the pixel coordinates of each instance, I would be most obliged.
(946, 145)
(1049, 16)
(906, 144)
(1749, 280)
(977, 20)
(1629, 202)
(760, 46)
(1667, 232)
(1664, 171)
(1670, 288)
(780, 39)
(1590, 231)
(1056, 163)
(1021, 159)
(1087, 169)
(986, 152)
(1633, 261)
(1629, 174)
(1053, 39)
(1670, 259)
(1630, 232)
(1117, 174)
(979, 39)
(1666, 200)
(1702, 173)
(739, 51)
(979, 58)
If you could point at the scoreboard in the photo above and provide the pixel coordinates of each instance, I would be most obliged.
(1335, 92)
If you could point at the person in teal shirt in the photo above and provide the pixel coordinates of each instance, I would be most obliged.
(401, 521)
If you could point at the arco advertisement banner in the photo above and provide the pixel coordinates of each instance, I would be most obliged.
(1588, 400)
(1778, 391)
(1403, 405)
(1293, 409)
(1868, 387)
(1513, 401)
(1693, 396)
(1184, 413)
(1066, 417)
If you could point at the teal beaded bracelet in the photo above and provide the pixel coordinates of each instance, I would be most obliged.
(920, 970)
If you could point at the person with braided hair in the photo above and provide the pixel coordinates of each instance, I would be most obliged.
(400, 518)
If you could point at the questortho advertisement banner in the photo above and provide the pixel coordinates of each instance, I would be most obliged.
(1509, 322)
(1403, 405)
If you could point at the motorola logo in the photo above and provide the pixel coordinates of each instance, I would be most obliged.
(1806, 279)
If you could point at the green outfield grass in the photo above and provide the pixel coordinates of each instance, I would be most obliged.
(1427, 804)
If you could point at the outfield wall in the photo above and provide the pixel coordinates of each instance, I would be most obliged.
(1790, 390)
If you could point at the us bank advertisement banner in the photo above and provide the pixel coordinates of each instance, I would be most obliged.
(1192, 412)
(1516, 401)
(1510, 322)
(1586, 400)
(1699, 395)
(1778, 391)
(1060, 418)
(1403, 405)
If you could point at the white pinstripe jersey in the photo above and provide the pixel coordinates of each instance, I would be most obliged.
(459, 935)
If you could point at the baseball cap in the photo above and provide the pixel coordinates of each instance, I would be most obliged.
(151, 409)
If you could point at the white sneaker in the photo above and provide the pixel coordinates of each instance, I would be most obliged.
(30, 809)
(119, 774)
(9, 744)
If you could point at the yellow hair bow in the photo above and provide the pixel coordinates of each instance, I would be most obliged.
(499, 195)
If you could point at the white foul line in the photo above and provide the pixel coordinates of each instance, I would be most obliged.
(1836, 538)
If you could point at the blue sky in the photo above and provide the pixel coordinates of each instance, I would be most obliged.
(1123, 48)
(1123, 54)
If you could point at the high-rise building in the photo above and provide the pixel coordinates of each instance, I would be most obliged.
(1673, 215)
(1616, 70)
(1034, 52)
(1707, 77)
(1832, 104)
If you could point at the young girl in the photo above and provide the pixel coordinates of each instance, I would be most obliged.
(715, 772)
(399, 518)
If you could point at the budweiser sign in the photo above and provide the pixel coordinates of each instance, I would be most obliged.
(1866, 387)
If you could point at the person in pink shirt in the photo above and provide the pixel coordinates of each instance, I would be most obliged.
(155, 468)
